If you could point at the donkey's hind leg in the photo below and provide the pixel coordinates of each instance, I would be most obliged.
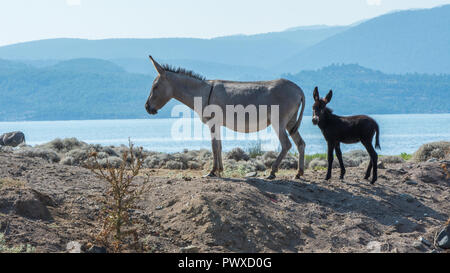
(369, 169)
(285, 147)
(298, 140)
(373, 160)
(341, 162)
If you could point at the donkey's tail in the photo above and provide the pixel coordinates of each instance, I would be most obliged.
(297, 123)
(377, 138)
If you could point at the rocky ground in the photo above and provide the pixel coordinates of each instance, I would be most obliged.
(45, 205)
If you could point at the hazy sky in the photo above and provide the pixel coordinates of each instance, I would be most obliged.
(25, 20)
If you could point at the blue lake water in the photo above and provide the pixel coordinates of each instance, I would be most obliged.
(399, 133)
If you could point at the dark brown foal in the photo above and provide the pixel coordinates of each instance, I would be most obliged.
(353, 129)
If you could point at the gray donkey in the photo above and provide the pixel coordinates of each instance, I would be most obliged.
(12, 139)
(267, 98)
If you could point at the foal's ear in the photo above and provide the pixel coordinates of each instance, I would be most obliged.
(316, 93)
(328, 97)
(158, 67)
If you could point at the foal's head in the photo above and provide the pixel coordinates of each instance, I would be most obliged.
(161, 91)
(320, 105)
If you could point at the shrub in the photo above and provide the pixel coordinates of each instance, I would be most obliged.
(318, 163)
(174, 165)
(237, 154)
(391, 159)
(121, 197)
(268, 158)
(112, 161)
(438, 150)
(406, 156)
(309, 158)
(68, 160)
(78, 156)
(289, 162)
(63, 145)
(47, 154)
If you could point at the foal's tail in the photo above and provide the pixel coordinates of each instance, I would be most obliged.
(377, 138)
(297, 123)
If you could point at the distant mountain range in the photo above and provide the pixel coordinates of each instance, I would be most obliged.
(254, 51)
(398, 42)
(99, 89)
(395, 63)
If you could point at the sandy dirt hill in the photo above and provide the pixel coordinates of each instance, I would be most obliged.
(47, 205)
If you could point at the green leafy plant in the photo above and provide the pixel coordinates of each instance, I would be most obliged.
(406, 156)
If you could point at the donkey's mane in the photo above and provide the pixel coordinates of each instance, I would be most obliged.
(183, 71)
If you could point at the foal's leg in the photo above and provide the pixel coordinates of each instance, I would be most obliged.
(369, 168)
(373, 159)
(298, 140)
(339, 156)
(330, 159)
(285, 147)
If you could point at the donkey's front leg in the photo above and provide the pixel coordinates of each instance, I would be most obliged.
(330, 159)
(216, 149)
(341, 162)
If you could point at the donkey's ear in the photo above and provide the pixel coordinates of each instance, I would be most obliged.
(328, 97)
(158, 67)
(316, 93)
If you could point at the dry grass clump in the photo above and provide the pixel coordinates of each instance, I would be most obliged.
(237, 154)
(8, 182)
(438, 150)
(47, 154)
(63, 145)
(391, 159)
(121, 198)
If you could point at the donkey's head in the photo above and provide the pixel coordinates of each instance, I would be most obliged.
(320, 105)
(161, 91)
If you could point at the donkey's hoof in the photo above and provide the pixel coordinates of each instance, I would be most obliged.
(373, 181)
(271, 177)
(210, 175)
(298, 176)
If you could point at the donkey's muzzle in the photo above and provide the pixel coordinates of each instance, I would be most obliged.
(315, 120)
(150, 110)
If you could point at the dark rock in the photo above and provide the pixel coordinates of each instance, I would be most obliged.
(443, 238)
(411, 182)
(97, 249)
(418, 245)
(424, 241)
